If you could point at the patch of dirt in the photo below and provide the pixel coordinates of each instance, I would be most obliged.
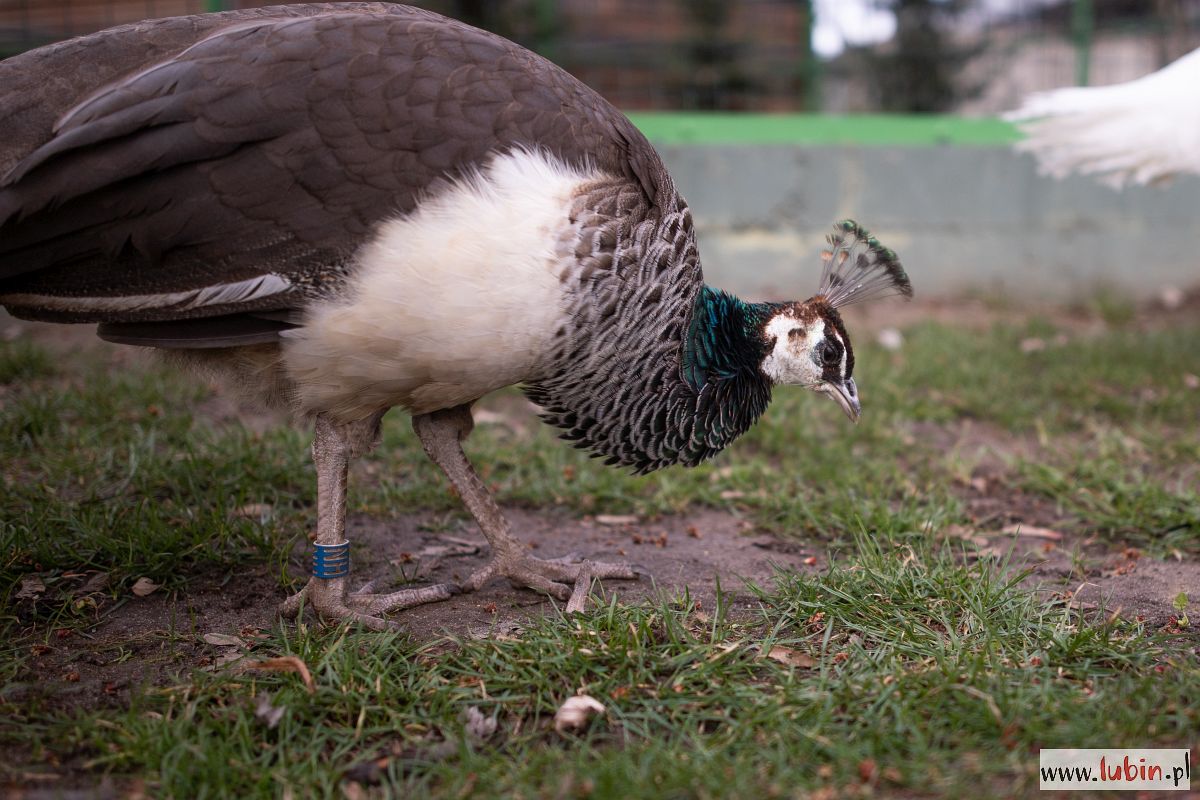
(142, 641)
(691, 553)
(1092, 575)
(139, 641)
(1143, 589)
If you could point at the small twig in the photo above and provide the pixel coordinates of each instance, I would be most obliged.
(286, 664)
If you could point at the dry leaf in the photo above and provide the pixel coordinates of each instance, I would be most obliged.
(226, 658)
(258, 511)
(1033, 345)
(616, 519)
(890, 339)
(478, 726)
(30, 588)
(1033, 532)
(267, 713)
(144, 586)
(1171, 297)
(445, 537)
(286, 664)
(442, 550)
(98, 582)
(792, 658)
(576, 713)
(966, 534)
(223, 640)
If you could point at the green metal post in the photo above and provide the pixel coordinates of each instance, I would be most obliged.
(810, 65)
(1083, 23)
(545, 36)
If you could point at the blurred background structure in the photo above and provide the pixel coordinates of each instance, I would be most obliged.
(777, 116)
(839, 56)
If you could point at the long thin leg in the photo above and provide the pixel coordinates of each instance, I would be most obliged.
(441, 434)
(333, 448)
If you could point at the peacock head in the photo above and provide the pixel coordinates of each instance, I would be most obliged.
(807, 341)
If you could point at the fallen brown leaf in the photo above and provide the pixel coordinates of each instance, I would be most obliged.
(576, 713)
(1034, 532)
(792, 658)
(144, 586)
(259, 511)
(616, 519)
(266, 713)
(31, 587)
(223, 640)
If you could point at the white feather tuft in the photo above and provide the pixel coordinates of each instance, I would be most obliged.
(457, 299)
(1138, 132)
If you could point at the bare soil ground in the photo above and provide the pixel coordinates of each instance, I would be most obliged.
(148, 640)
(144, 640)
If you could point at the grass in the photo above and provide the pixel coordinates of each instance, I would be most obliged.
(920, 670)
(913, 672)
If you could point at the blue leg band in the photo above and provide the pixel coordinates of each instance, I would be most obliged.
(331, 560)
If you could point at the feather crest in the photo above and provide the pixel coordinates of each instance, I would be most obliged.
(857, 268)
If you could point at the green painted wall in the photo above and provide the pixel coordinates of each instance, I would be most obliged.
(869, 130)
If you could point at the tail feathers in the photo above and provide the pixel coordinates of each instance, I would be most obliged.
(1139, 132)
(858, 268)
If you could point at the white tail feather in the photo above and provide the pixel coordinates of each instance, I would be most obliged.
(1138, 132)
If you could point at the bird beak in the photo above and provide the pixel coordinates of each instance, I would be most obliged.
(846, 396)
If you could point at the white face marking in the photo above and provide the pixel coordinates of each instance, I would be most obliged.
(790, 361)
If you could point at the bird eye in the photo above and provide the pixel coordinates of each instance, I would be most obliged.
(832, 354)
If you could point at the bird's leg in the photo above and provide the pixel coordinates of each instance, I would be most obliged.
(334, 446)
(441, 434)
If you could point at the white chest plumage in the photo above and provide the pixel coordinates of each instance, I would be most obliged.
(459, 298)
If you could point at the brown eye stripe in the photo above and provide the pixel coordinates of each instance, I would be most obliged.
(834, 319)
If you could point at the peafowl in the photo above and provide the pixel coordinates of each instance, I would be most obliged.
(1143, 131)
(345, 208)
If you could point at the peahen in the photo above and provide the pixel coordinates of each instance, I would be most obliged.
(351, 207)
(1143, 131)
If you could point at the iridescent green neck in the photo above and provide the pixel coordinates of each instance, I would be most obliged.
(724, 341)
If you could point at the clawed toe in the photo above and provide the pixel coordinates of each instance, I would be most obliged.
(332, 603)
(567, 578)
(405, 598)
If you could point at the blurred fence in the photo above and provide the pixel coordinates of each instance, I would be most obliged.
(963, 56)
(29, 23)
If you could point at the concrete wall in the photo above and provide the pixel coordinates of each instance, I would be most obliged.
(961, 217)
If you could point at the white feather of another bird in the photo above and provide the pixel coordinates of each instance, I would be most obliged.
(1139, 132)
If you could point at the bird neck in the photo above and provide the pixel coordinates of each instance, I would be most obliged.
(667, 393)
(724, 339)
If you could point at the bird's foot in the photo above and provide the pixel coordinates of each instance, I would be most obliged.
(333, 603)
(551, 576)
